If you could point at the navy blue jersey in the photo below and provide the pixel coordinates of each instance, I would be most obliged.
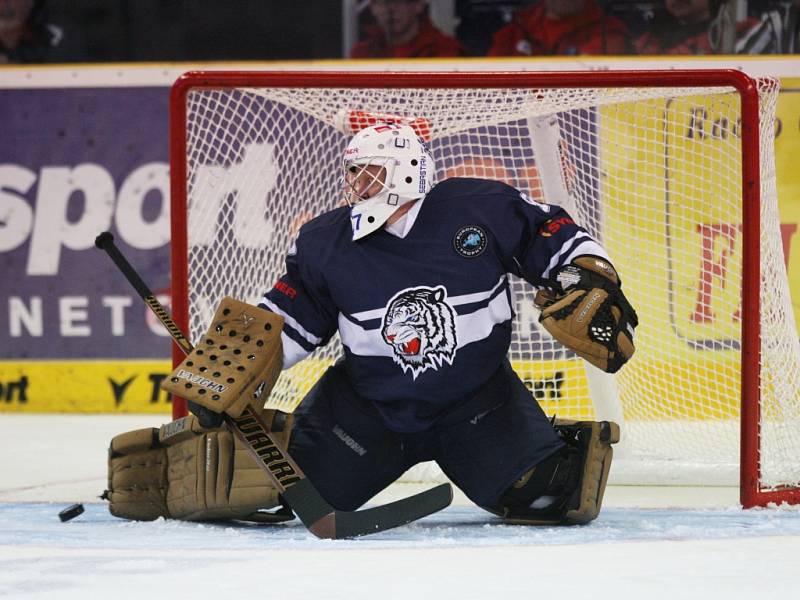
(424, 319)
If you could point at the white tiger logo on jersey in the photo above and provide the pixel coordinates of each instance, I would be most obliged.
(420, 327)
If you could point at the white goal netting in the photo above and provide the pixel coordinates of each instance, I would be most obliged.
(654, 173)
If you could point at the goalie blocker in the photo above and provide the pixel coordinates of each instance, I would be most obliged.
(235, 365)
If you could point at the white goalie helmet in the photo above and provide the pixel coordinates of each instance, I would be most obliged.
(385, 167)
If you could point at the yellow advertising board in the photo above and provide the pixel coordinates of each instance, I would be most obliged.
(84, 386)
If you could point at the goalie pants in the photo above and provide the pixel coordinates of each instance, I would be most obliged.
(483, 444)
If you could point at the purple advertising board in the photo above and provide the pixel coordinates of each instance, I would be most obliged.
(73, 163)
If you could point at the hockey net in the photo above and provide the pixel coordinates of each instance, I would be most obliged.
(654, 165)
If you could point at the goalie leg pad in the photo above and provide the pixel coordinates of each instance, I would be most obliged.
(568, 487)
(137, 476)
(236, 363)
(594, 438)
(185, 471)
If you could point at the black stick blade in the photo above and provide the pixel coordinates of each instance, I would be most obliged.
(394, 514)
(343, 525)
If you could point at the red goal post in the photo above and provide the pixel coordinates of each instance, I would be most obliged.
(211, 114)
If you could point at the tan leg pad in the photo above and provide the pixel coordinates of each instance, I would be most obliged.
(213, 477)
(597, 464)
(236, 363)
(184, 471)
(137, 476)
(582, 505)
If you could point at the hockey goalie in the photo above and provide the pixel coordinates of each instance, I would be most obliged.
(413, 276)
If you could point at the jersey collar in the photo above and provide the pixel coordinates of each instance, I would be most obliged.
(403, 225)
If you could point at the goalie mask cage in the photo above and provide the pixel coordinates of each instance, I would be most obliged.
(673, 171)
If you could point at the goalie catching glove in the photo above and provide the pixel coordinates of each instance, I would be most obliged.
(586, 311)
(236, 363)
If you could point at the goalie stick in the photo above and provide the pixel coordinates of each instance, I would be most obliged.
(314, 511)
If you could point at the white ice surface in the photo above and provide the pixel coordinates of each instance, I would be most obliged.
(649, 543)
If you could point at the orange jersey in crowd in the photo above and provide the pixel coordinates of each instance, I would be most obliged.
(532, 33)
(429, 42)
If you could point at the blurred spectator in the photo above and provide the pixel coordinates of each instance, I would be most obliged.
(404, 30)
(777, 32)
(27, 37)
(567, 27)
(682, 29)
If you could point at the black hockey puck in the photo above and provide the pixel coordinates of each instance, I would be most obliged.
(70, 512)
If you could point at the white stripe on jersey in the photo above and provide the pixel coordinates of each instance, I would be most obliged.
(470, 327)
(307, 335)
(361, 341)
(587, 246)
(377, 313)
(293, 352)
(556, 259)
(478, 325)
(477, 296)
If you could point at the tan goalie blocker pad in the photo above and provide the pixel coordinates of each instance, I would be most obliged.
(592, 317)
(236, 363)
(183, 471)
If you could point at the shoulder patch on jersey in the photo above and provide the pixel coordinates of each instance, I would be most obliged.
(553, 226)
(420, 326)
(470, 241)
